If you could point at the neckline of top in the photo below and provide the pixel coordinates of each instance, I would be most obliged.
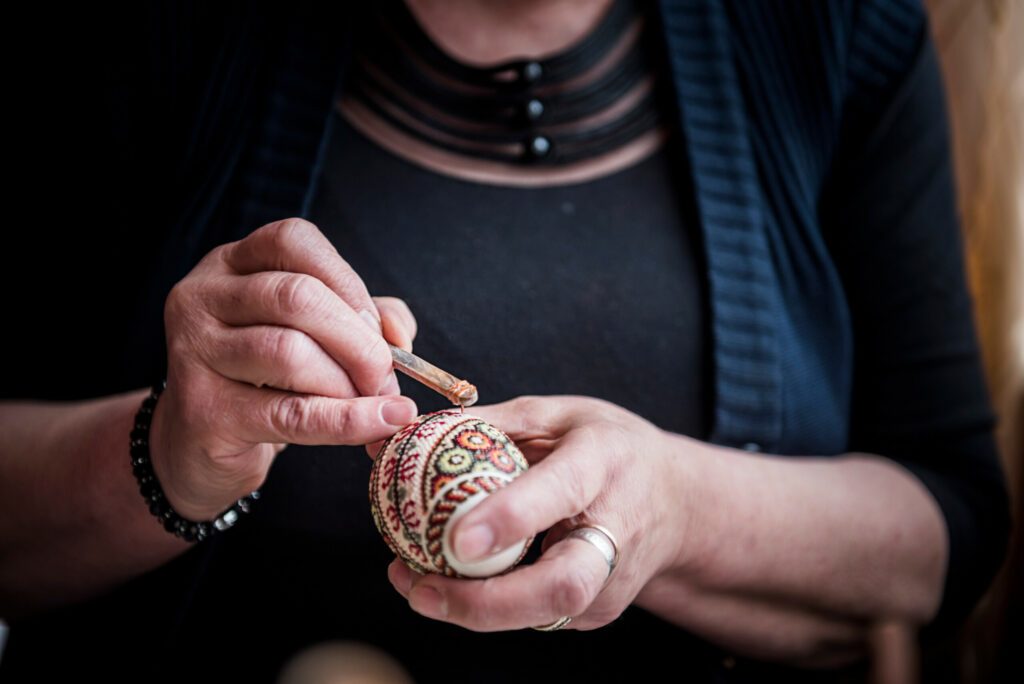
(515, 74)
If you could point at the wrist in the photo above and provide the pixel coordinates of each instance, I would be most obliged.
(160, 446)
(695, 483)
(190, 522)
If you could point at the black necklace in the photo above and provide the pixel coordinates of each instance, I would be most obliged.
(599, 94)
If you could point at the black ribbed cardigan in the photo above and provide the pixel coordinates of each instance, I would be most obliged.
(821, 168)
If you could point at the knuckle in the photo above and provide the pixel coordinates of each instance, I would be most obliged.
(296, 294)
(291, 232)
(573, 593)
(374, 355)
(348, 280)
(218, 256)
(528, 403)
(533, 411)
(614, 438)
(285, 348)
(293, 415)
(344, 420)
(570, 479)
(177, 300)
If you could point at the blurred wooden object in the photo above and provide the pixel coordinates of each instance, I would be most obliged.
(342, 662)
(981, 47)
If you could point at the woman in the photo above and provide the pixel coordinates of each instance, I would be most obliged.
(697, 238)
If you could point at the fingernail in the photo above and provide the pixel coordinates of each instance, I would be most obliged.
(371, 321)
(399, 412)
(429, 602)
(400, 576)
(391, 385)
(474, 543)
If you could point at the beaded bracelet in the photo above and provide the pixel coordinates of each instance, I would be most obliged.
(149, 486)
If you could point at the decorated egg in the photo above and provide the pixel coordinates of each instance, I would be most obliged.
(431, 473)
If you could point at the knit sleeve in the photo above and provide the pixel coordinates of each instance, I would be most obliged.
(890, 216)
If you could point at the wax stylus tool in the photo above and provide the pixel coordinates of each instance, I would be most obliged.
(447, 385)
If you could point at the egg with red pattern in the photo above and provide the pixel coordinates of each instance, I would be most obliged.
(428, 475)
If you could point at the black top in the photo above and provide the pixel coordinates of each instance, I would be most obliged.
(575, 289)
(591, 289)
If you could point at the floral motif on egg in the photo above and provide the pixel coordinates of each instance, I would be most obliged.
(474, 440)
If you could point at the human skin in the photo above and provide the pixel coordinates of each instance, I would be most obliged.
(265, 348)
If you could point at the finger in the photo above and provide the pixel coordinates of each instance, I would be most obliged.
(559, 487)
(278, 357)
(305, 303)
(401, 577)
(297, 245)
(266, 415)
(564, 581)
(398, 322)
(533, 417)
(373, 448)
(536, 450)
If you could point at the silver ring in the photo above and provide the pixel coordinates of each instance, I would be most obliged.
(554, 626)
(601, 539)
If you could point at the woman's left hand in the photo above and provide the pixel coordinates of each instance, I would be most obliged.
(591, 462)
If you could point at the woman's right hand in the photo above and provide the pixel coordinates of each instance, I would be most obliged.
(272, 339)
